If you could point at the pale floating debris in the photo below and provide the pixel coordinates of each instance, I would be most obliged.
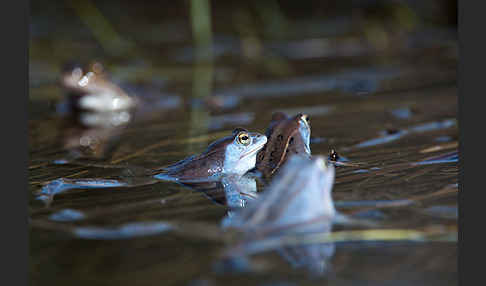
(62, 185)
(67, 215)
(122, 232)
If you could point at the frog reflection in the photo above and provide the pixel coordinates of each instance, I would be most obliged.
(95, 142)
(219, 172)
(96, 111)
(297, 202)
(231, 191)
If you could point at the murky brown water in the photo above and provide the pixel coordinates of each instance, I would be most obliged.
(355, 91)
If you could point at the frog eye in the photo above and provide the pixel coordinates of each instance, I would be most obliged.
(306, 118)
(333, 155)
(238, 130)
(243, 138)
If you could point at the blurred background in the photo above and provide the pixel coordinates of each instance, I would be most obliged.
(161, 41)
(378, 78)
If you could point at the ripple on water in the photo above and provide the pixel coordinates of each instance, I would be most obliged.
(360, 171)
(225, 120)
(450, 157)
(371, 203)
(443, 139)
(425, 127)
(449, 212)
(356, 81)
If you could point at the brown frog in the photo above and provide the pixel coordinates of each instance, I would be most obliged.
(89, 89)
(286, 136)
(95, 111)
(231, 155)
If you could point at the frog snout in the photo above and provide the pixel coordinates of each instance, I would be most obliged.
(262, 138)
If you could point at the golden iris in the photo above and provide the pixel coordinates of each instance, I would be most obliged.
(243, 138)
(306, 118)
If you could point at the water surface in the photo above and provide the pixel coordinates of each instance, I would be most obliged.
(391, 112)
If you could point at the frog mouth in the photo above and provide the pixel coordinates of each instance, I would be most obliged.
(254, 150)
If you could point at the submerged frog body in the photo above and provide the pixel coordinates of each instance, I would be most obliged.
(298, 197)
(286, 136)
(297, 202)
(235, 155)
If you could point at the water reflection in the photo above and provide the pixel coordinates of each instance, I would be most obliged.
(67, 215)
(306, 69)
(61, 185)
(449, 157)
(392, 135)
(355, 81)
(96, 111)
(233, 119)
